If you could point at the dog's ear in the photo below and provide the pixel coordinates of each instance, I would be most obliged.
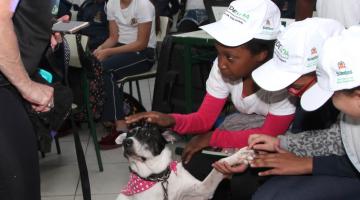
(170, 136)
(120, 138)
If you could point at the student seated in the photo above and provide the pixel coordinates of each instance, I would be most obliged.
(129, 50)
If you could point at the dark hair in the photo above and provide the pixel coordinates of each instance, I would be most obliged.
(256, 46)
(350, 91)
(157, 17)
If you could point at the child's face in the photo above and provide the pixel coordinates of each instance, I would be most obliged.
(347, 102)
(236, 62)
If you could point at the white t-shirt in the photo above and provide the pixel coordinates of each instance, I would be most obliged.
(127, 20)
(345, 11)
(262, 102)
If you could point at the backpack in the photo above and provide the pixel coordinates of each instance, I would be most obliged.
(93, 11)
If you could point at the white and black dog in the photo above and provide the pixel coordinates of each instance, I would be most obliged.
(153, 174)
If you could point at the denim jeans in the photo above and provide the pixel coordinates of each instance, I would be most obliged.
(117, 67)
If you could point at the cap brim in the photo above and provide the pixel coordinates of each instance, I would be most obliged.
(226, 34)
(314, 98)
(269, 77)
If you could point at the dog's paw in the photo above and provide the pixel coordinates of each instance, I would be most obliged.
(242, 156)
(120, 138)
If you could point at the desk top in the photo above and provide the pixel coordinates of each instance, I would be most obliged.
(201, 34)
(194, 38)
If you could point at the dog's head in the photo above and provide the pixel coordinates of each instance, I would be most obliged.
(143, 143)
(145, 148)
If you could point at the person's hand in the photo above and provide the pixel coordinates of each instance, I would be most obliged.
(226, 169)
(101, 54)
(56, 38)
(282, 163)
(39, 95)
(197, 143)
(97, 49)
(153, 117)
(263, 142)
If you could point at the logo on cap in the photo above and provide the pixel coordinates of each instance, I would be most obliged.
(341, 66)
(313, 59)
(281, 52)
(235, 15)
(267, 26)
(313, 51)
(343, 73)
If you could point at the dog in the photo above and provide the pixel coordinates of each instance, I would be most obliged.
(153, 174)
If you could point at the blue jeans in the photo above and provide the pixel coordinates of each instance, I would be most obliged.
(117, 67)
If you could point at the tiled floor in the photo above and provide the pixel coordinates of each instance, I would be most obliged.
(60, 176)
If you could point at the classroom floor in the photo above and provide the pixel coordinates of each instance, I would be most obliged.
(60, 175)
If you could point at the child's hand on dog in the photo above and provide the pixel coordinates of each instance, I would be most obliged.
(153, 117)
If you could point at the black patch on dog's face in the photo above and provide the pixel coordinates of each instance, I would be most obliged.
(149, 136)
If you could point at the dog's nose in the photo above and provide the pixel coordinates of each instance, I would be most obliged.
(128, 142)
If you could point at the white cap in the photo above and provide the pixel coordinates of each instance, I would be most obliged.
(296, 52)
(339, 69)
(244, 20)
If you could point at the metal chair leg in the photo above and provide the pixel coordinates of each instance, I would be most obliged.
(130, 88)
(138, 90)
(58, 149)
(91, 123)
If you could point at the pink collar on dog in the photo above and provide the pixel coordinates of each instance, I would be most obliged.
(136, 184)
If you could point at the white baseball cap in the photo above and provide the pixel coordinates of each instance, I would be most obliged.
(339, 68)
(244, 20)
(296, 52)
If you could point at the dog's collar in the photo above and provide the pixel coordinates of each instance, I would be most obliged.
(138, 184)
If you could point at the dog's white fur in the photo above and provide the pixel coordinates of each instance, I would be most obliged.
(182, 185)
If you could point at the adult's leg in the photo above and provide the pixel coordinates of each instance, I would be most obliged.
(115, 68)
(309, 188)
(19, 163)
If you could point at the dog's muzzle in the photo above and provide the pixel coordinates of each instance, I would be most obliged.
(128, 145)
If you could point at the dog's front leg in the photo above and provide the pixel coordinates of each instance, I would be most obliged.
(203, 190)
(207, 187)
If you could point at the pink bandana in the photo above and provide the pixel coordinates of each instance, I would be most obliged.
(136, 184)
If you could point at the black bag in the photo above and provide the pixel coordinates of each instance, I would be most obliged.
(93, 11)
(45, 122)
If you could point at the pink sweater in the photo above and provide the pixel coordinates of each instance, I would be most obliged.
(203, 120)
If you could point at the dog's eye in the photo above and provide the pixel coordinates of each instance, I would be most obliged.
(147, 133)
